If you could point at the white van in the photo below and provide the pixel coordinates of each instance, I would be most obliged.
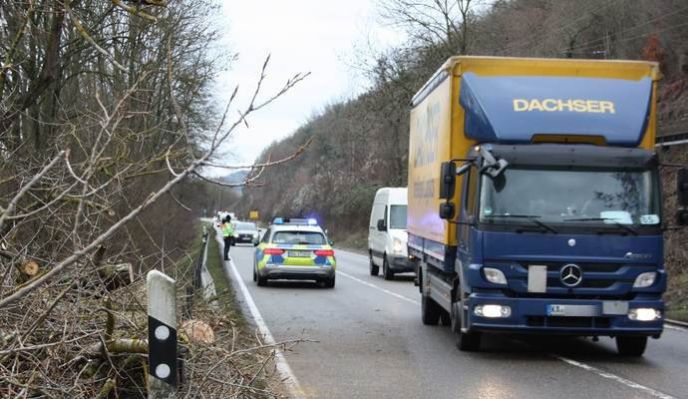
(387, 235)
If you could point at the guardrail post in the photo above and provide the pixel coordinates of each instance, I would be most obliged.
(162, 336)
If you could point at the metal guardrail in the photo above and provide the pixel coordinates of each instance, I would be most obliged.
(196, 270)
(672, 139)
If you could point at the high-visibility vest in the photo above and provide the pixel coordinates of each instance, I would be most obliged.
(227, 229)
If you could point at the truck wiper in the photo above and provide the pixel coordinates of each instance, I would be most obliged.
(532, 218)
(614, 222)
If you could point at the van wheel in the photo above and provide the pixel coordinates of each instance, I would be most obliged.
(430, 311)
(631, 346)
(374, 269)
(386, 271)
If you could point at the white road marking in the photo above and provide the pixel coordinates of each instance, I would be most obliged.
(287, 375)
(599, 372)
(675, 328)
(388, 292)
(614, 377)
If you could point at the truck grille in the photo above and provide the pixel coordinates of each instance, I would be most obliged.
(600, 280)
(569, 322)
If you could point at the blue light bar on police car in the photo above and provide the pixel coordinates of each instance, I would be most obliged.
(295, 221)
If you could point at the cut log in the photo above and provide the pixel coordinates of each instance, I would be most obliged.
(198, 331)
(116, 276)
(30, 268)
(119, 345)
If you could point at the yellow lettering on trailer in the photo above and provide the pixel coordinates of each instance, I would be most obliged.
(564, 105)
(520, 105)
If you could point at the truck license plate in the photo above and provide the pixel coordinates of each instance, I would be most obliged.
(299, 254)
(572, 310)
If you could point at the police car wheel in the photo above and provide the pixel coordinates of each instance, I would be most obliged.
(386, 271)
(329, 283)
(262, 281)
(374, 269)
(255, 277)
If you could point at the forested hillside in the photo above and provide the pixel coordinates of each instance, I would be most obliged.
(362, 144)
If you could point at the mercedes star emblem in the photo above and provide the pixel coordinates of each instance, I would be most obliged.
(571, 275)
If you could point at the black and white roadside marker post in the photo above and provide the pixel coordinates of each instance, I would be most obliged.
(162, 336)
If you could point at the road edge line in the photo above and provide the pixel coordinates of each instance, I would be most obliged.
(611, 376)
(281, 364)
(676, 323)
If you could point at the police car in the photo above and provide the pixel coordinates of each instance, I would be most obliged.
(295, 249)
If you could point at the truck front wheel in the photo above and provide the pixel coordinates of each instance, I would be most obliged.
(468, 341)
(631, 346)
(430, 311)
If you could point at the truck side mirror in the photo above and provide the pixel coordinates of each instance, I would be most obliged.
(447, 180)
(381, 225)
(682, 217)
(682, 186)
(447, 210)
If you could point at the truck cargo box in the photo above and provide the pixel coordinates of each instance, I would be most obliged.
(475, 100)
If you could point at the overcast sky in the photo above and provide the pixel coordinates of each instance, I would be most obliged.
(313, 36)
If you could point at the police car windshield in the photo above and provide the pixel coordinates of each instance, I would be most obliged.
(298, 238)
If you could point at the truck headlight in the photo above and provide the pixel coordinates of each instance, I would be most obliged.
(398, 246)
(645, 280)
(492, 311)
(493, 275)
(644, 314)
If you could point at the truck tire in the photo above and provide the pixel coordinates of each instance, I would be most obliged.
(469, 342)
(445, 318)
(631, 346)
(430, 311)
(386, 271)
(374, 269)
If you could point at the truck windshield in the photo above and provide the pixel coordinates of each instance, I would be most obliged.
(620, 198)
(397, 217)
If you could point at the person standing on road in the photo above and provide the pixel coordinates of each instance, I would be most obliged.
(227, 234)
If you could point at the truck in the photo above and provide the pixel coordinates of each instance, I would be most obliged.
(534, 201)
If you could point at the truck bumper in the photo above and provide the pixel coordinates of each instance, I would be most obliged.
(534, 316)
(401, 264)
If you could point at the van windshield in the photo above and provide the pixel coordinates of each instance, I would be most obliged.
(397, 217)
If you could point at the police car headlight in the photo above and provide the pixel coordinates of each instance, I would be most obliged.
(645, 280)
(398, 246)
(494, 276)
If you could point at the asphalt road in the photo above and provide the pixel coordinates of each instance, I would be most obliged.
(371, 344)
